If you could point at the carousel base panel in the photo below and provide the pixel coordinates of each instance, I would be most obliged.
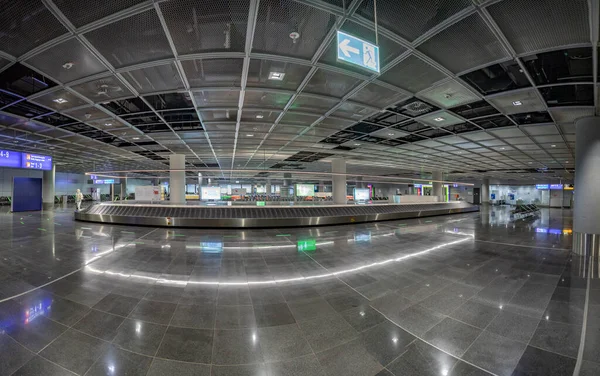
(196, 216)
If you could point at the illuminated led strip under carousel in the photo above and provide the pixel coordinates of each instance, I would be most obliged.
(260, 217)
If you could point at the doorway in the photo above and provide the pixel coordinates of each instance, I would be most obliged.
(476, 196)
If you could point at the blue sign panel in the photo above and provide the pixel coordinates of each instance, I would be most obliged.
(493, 196)
(356, 51)
(10, 158)
(541, 186)
(36, 162)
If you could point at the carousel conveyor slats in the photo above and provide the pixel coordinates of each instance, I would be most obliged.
(275, 216)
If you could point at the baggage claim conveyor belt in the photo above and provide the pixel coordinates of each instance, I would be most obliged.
(261, 217)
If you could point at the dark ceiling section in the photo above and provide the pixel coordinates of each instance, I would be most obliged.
(279, 98)
(497, 78)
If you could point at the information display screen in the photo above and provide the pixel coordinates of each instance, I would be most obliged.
(210, 193)
(36, 161)
(15, 159)
(305, 190)
(307, 245)
(361, 194)
(10, 158)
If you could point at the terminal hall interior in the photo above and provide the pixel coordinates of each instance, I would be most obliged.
(299, 188)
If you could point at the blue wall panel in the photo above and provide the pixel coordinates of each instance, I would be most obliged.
(27, 194)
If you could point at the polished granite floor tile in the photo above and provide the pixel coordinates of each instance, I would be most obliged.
(117, 304)
(564, 312)
(234, 317)
(75, 351)
(273, 315)
(557, 337)
(163, 367)
(116, 361)
(100, 324)
(240, 370)
(279, 343)
(386, 341)
(152, 311)
(187, 345)
(240, 346)
(351, 358)
(40, 366)
(310, 308)
(36, 333)
(497, 354)
(363, 319)
(303, 366)
(139, 336)
(194, 316)
(539, 362)
(452, 336)
(513, 326)
(326, 332)
(417, 319)
(421, 359)
(475, 314)
(12, 356)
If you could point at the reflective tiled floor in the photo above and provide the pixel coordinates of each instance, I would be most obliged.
(472, 294)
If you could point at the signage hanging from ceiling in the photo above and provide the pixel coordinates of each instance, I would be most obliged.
(358, 52)
(15, 159)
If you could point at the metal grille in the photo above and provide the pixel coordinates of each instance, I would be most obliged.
(299, 119)
(556, 23)
(411, 19)
(330, 83)
(449, 94)
(352, 111)
(464, 45)
(26, 25)
(434, 119)
(277, 19)
(122, 43)
(259, 71)
(220, 115)
(3, 62)
(263, 99)
(67, 61)
(412, 74)
(103, 89)
(213, 72)
(154, 79)
(227, 98)
(200, 26)
(378, 96)
(260, 116)
(81, 13)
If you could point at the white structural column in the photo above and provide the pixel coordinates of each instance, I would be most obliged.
(437, 186)
(586, 218)
(48, 179)
(177, 180)
(338, 166)
(485, 191)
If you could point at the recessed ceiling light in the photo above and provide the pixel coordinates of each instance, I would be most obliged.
(390, 134)
(517, 103)
(530, 162)
(60, 100)
(553, 146)
(136, 138)
(249, 135)
(356, 144)
(276, 76)
(108, 124)
(566, 161)
(259, 116)
(439, 119)
(502, 148)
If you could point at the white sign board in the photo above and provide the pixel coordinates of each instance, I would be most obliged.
(362, 194)
(238, 191)
(147, 193)
(210, 193)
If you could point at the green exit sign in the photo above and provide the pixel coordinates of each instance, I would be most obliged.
(261, 203)
(307, 245)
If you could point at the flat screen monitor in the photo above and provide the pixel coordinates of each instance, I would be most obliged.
(305, 190)
(362, 194)
(210, 193)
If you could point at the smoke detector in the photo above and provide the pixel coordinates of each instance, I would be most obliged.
(294, 35)
(68, 65)
(87, 116)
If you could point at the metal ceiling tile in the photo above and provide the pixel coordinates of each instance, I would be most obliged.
(278, 19)
(412, 74)
(213, 72)
(226, 98)
(538, 130)
(202, 26)
(477, 136)
(298, 119)
(313, 104)
(103, 89)
(155, 79)
(557, 23)
(449, 94)
(219, 115)
(509, 132)
(378, 96)
(60, 100)
(260, 116)
(330, 83)
(440, 119)
(264, 99)
(564, 115)
(81, 13)
(467, 44)
(518, 101)
(87, 114)
(122, 43)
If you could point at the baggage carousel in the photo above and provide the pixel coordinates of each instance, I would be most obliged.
(245, 216)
